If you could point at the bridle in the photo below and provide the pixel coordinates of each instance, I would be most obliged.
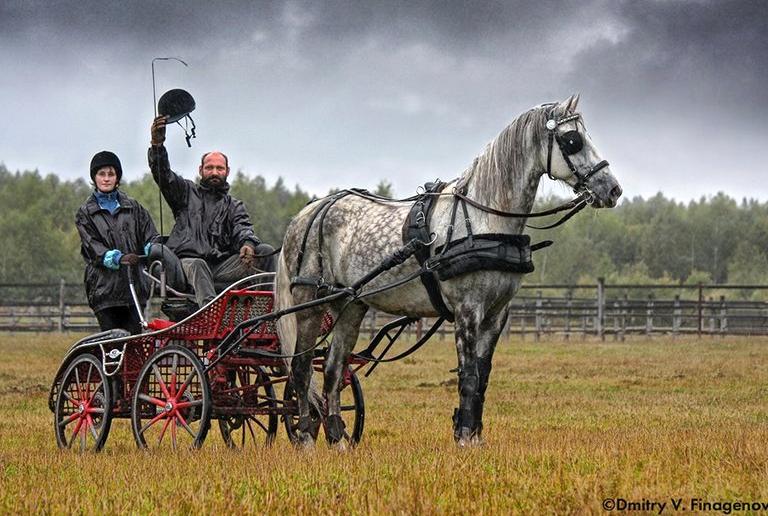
(570, 142)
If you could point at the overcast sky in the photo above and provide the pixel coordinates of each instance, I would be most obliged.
(347, 93)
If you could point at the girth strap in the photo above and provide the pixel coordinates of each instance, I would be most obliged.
(416, 226)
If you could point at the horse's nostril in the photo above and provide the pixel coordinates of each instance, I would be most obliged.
(616, 192)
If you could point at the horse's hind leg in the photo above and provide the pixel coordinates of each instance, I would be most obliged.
(345, 335)
(308, 327)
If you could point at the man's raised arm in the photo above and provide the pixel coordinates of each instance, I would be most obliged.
(173, 186)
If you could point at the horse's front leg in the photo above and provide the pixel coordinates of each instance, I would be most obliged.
(476, 336)
(345, 335)
(487, 339)
(466, 323)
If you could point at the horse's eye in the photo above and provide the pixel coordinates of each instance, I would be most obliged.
(571, 142)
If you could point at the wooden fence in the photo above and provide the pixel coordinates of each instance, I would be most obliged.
(571, 311)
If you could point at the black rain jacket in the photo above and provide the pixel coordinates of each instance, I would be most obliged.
(210, 223)
(128, 230)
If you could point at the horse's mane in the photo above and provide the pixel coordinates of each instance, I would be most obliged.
(503, 159)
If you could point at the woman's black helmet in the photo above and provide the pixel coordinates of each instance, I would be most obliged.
(106, 159)
(177, 104)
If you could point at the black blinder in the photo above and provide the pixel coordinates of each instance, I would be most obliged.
(570, 142)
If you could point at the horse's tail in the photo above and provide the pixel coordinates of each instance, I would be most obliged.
(287, 328)
(286, 325)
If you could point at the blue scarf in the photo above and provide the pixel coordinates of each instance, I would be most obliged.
(107, 201)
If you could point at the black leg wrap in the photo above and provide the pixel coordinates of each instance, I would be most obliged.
(463, 423)
(478, 400)
(464, 420)
(334, 429)
(469, 383)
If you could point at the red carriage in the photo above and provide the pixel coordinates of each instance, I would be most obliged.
(220, 363)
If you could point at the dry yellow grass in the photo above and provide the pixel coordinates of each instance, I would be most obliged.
(567, 425)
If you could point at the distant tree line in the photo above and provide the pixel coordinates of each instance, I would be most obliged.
(712, 240)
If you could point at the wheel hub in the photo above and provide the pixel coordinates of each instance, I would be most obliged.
(169, 406)
(81, 408)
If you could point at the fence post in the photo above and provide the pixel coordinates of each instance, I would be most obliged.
(711, 304)
(61, 305)
(723, 316)
(700, 307)
(624, 316)
(569, 306)
(676, 316)
(538, 315)
(649, 316)
(600, 322)
(616, 314)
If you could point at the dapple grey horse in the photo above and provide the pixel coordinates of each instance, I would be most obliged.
(357, 233)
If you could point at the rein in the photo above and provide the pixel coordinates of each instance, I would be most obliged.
(575, 205)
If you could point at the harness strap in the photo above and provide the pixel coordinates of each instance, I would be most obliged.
(416, 226)
(449, 232)
(327, 202)
(467, 223)
(549, 155)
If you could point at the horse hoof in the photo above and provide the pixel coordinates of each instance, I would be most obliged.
(466, 438)
(341, 446)
(304, 441)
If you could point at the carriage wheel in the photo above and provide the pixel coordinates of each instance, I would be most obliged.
(171, 405)
(254, 390)
(83, 409)
(352, 410)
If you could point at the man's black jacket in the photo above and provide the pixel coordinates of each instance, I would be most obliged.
(210, 223)
(128, 230)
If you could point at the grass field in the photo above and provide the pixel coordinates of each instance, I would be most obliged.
(567, 425)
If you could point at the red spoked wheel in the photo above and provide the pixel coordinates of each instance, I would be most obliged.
(171, 401)
(352, 409)
(83, 406)
(249, 392)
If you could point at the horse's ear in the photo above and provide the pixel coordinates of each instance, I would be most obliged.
(574, 102)
(571, 103)
(565, 107)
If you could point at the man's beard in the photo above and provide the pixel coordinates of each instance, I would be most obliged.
(213, 181)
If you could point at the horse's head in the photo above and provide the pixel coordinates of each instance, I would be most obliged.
(570, 156)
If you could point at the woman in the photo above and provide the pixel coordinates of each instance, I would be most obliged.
(114, 229)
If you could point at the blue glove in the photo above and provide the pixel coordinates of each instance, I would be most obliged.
(112, 259)
(147, 248)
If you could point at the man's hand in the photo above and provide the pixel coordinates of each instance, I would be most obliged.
(129, 259)
(158, 130)
(247, 255)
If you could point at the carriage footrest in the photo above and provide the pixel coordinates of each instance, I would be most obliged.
(262, 353)
(257, 353)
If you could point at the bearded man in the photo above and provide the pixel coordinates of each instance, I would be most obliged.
(213, 236)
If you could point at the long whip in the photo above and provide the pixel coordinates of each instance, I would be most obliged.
(154, 107)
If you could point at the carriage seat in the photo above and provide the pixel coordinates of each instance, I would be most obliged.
(222, 315)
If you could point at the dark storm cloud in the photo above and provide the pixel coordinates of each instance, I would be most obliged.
(694, 52)
(347, 93)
